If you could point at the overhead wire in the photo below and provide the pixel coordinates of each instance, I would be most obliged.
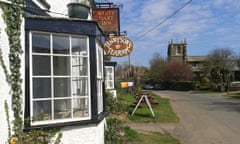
(166, 19)
(141, 36)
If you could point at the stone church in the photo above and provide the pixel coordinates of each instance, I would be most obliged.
(177, 51)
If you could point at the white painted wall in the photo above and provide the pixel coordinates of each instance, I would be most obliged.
(4, 86)
(88, 134)
(59, 6)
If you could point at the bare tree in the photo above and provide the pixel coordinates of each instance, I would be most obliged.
(219, 65)
(125, 72)
(177, 71)
(157, 64)
(238, 60)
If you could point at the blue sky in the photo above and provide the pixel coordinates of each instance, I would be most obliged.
(206, 25)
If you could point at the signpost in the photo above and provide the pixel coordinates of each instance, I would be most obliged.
(108, 20)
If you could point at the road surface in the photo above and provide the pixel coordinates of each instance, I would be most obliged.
(205, 118)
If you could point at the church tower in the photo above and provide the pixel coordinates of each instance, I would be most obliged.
(177, 51)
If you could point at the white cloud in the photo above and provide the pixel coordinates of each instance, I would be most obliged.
(156, 10)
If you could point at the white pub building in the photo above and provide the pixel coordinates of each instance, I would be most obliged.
(62, 71)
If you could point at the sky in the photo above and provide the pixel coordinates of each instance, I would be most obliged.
(205, 24)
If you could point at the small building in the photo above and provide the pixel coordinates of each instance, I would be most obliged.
(197, 64)
(61, 73)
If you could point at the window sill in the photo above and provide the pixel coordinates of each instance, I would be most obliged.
(65, 124)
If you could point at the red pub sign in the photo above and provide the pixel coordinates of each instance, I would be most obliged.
(107, 18)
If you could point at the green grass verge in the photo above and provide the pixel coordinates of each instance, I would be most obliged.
(206, 92)
(163, 111)
(158, 138)
(150, 138)
(234, 95)
(132, 135)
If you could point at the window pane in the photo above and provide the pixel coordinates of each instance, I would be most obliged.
(61, 65)
(99, 96)
(109, 84)
(109, 77)
(60, 44)
(108, 70)
(41, 87)
(79, 46)
(62, 109)
(80, 86)
(41, 65)
(99, 61)
(62, 87)
(42, 110)
(40, 43)
(80, 107)
(79, 66)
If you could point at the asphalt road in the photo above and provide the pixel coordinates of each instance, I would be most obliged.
(205, 118)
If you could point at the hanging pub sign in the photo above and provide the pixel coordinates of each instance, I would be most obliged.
(107, 18)
(118, 46)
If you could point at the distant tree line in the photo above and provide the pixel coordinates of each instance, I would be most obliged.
(217, 69)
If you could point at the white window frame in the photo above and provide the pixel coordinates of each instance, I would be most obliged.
(107, 75)
(100, 76)
(52, 98)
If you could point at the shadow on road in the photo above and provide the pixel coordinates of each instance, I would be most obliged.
(225, 105)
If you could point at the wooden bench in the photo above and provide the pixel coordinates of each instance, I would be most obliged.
(150, 98)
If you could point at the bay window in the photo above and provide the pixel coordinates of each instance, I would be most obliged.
(63, 72)
(59, 77)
